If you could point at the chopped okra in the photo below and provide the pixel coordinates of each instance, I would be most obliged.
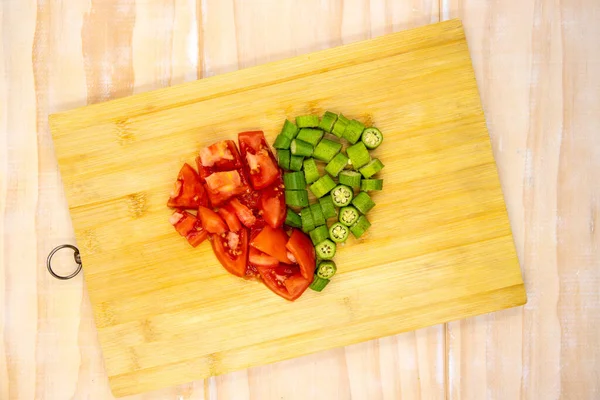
(371, 184)
(339, 232)
(307, 121)
(341, 195)
(322, 186)
(348, 215)
(363, 202)
(293, 219)
(350, 178)
(326, 269)
(360, 227)
(326, 150)
(301, 148)
(327, 121)
(283, 158)
(325, 250)
(310, 135)
(319, 234)
(318, 283)
(311, 171)
(294, 181)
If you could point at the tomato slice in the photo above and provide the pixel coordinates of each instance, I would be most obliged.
(273, 242)
(260, 259)
(259, 162)
(276, 279)
(233, 259)
(245, 215)
(211, 221)
(272, 204)
(303, 251)
(188, 191)
(232, 221)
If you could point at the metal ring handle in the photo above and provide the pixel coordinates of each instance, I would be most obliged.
(76, 257)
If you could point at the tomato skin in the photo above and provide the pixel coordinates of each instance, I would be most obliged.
(188, 191)
(272, 204)
(232, 221)
(273, 242)
(211, 221)
(260, 259)
(303, 251)
(258, 159)
(276, 279)
(296, 285)
(234, 261)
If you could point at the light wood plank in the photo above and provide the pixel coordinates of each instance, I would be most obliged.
(533, 63)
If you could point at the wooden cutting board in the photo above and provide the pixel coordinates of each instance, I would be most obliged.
(440, 247)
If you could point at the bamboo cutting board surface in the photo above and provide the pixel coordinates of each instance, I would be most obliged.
(440, 247)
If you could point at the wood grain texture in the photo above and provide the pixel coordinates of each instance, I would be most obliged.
(534, 69)
(153, 298)
(507, 355)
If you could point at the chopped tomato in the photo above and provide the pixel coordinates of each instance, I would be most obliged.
(232, 221)
(261, 164)
(196, 237)
(189, 226)
(273, 242)
(218, 157)
(188, 191)
(272, 204)
(211, 221)
(233, 259)
(303, 251)
(243, 213)
(297, 284)
(260, 259)
(251, 200)
(184, 222)
(224, 185)
(276, 279)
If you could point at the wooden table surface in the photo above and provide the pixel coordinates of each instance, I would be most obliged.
(538, 67)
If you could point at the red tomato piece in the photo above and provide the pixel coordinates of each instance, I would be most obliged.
(188, 191)
(183, 222)
(303, 251)
(273, 242)
(276, 279)
(189, 226)
(221, 186)
(297, 284)
(211, 221)
(196, 237)
(259, 162)
(232, 221)
(220, 156)
(243, 213)
(233, 259)
(251, 200)
(260, 259)
(272, 204)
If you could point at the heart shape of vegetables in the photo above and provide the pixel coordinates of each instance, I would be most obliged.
(257, 216)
